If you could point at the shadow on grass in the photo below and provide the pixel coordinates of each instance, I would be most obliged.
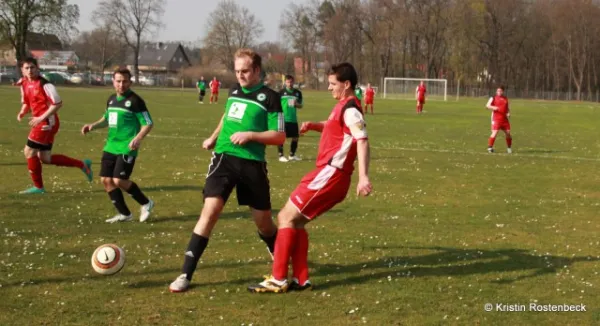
(224, 215)
(538, 151)
(13, 163)
(449, 262)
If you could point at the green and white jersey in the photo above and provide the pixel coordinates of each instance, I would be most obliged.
(201, 84)
(125, 115)
(258, 110)
(288, 97)
(358, 93)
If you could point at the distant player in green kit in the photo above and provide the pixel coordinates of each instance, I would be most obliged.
(358, 92)
(291, 99)
(253, 119)
(201, 85)
(128, 122)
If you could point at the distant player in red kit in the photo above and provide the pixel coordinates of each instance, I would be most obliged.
(214, 86)
(420, 96)
(500, 113)
(343, 139)
(369, 97)
(41, 98)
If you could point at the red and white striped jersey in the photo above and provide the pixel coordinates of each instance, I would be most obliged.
(39, 94)
(344, 127)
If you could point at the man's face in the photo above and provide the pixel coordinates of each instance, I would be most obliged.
(121, 83)
(202, 78)
(369, 85)
(499, 92)
(29, 70)
(337, 88)
(246, 75)
(289, 83)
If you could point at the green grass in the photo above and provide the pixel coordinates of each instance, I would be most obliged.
(447, 229)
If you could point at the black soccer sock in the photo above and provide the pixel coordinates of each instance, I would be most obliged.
(280, 150)
(193, 253)
(116, 196)
(137, 194)
(293, 147)
(269, 241)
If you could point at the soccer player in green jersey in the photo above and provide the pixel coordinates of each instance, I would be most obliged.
(201, 85)
(253, 119)
(291, 99)
(128, 122)
(358, 92)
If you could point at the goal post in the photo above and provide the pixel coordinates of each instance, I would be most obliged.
(405, 88)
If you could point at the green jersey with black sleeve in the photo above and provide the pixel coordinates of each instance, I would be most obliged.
(358, 92)
(201, 84)
(125, 115)
(257, 109)
(288, 98)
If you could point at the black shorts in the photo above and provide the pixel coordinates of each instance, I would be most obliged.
(291, 130)
(38, 146)
(202, 92)
(249, 177)
(117, 166)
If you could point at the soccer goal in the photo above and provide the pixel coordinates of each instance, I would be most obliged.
(405, 88)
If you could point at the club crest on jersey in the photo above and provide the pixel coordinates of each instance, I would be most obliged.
(261, 97)
(127, 104)
(237, 110)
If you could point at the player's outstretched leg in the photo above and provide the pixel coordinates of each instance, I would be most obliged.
(198, 242)
(35, 171)
(300, 281)
(62, 160)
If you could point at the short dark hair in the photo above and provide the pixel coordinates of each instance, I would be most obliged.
(289, 77)
(254, 57)
(122, 71)
(344, 72)
(501, 87)
(30, 60)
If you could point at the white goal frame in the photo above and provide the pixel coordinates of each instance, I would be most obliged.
(445, 81)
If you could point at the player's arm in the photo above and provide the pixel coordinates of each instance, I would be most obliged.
(275, 133)
(358, 129)
(25, 108)
(102, 123)
(314, 126)
(489, 105)
(146, 123)
(209, 143)
(299, 101)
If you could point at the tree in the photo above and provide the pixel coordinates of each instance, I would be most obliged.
(230, 27)
(99, 47)
(301, 31)
(19, 17)
(132, 19)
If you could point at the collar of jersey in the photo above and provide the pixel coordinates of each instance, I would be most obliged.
(289, 90)
(253, 89)
(124, 96)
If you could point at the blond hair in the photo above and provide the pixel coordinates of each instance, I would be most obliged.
(249, 53)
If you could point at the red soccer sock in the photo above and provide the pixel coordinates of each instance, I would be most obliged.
(62, 160)
(35, 170)
(284, 246)
(300, 257)
(509, 142)
(491, 141)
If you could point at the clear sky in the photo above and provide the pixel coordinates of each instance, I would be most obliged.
(185, 20)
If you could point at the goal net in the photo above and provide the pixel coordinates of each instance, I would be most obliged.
(405, 88)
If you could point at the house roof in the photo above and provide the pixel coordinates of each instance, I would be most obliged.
(158, 54)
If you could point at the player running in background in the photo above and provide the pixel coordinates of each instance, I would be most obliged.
(214, 86)
(128, 122)
(358, 92)
(40, 97)
(343, 138)
(253, 119)
(500, 114)
(420, 96)
(369, 97)
(291, 99)
(201, 85)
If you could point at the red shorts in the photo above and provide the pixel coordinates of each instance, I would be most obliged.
(44, 132)
(320, 190)
(500, 125)
(369, 100)
(214, 92)
(421, 100)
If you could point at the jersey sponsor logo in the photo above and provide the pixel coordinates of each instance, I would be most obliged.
(261, 97)
(237, 110)
(113, 118)
(127, 104)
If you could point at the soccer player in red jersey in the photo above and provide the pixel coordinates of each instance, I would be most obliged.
(214, 90)
(40, 97)
(420, 96)
(343, 139)
(500, 114)
(369, 96)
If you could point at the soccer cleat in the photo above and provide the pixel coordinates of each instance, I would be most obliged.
(490, 150)
(146, 210)
(119, 218)
(269, 285)
(295, 285)
(87, 169)
(283, 159)
(509, 150)
(33, 190)
(294, 158)
(181, 284)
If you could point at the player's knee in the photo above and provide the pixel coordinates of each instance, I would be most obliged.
(107, 182)
(121, 183)
(29, 152)
(45, 159)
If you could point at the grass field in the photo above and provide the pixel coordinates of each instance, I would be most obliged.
(448, 228)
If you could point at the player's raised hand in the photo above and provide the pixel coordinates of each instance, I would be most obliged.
(364, 187)
(241, 137)
(135, 144)
(305, 127)
(20, 116)
(34, 121)
(86, 129)
(209, 143)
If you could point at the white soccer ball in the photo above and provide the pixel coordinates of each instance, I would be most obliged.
(108, 259)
